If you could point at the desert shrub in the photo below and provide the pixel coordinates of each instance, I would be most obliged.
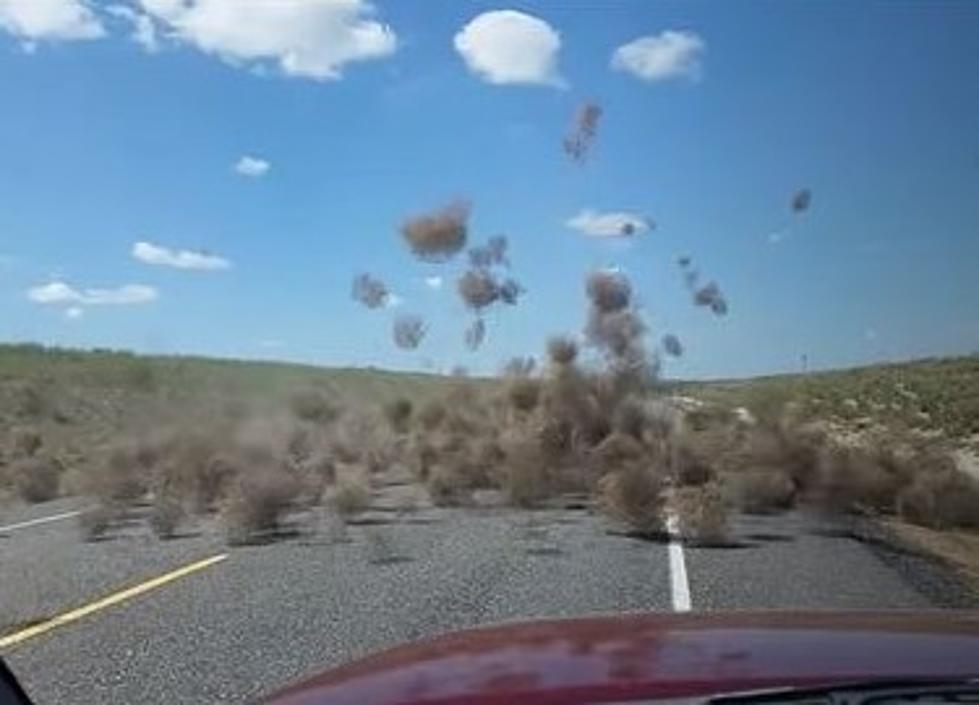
(447, 484)
(235, 410)
(794, 448)
(94, 522)
(319, 472)
(941, 500)
(259, 498)
(123, 475)
(762, 490)
(30, 400)
(554, 438)
(197, 468)
(630, 418)
(690, 467)
(422, 455)
(165, 516)
(707, 416)
(139, 375)
(74, 481)
(562, 351)
(35, 479)
(299, 445)
(524, 480)
(703, 514)
(860, 478)
(431, 415)
(26, 442)
(351, 495)
(398, 414)
(459, 463)
(632, 494)
(519, 367)
(487, 454)
(568, 400)
(523, 393)
(616, 451)
(310, 405)
(380, 454)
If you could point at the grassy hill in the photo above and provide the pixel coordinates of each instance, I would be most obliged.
(928, 395)
(71, 405)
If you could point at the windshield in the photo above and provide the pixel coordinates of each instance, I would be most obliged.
(330, 325)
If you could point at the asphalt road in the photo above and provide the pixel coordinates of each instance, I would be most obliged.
(269, 614)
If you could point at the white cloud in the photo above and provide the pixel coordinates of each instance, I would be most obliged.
(393, 301)
(252, 166)
(49, 19)
(609, 224)
(58, 292)
(660, 57)
(271, 344)
(74, 312)
(434, 282)
(181, 259)
(308, 38)
(506, 46)
(870, 334)
(775, 237)
(143, 29)
(53, 293)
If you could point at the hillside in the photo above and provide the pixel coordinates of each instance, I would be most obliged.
(931, 395)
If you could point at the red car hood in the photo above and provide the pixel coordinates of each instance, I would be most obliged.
(635, 656)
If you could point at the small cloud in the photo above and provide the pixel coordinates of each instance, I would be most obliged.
(870, 334)
(661, 57)
(510, 47)
(609, 223)
(393, 301)
(53, 293)
(49, 20)
(74, 312)
(143, 29)
(433, 282)
(253, 167)
(775, 237)
(180, 259)
(58, 292)
(271, 344)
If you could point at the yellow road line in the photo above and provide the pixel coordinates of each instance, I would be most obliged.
(107, 601)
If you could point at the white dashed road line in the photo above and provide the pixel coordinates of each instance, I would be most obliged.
(679, 586)
(36, 522)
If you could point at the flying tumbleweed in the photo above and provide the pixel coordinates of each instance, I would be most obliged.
(438, 235)
(409, 330)
(584, 128)
(475, 334)
(370, 291)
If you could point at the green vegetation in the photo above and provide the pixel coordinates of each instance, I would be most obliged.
(252, 442)
(927, 395)
(67, 415)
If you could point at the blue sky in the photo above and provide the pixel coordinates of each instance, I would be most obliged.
(365, 114)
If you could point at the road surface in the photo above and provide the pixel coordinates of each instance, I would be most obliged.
(135, 619)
